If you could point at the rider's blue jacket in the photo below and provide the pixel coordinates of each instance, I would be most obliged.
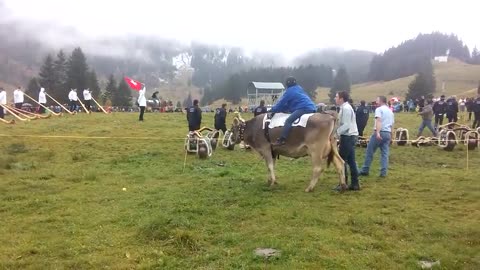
(294, 99)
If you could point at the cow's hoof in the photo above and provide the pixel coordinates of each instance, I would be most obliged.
(344, 188)
(309, 189)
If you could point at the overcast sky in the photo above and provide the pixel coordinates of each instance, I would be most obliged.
(287, 27)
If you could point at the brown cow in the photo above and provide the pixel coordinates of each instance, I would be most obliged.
(316, 140)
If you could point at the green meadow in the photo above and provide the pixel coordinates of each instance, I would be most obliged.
(63, 203)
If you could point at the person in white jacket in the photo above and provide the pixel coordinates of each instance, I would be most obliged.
(142, 102)
(42, 99)
(87, 96)
(72, 96)
(18, 97)
(3, 101)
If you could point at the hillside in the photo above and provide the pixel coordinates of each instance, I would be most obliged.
(460, 79)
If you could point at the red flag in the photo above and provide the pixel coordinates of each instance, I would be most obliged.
(135, 85)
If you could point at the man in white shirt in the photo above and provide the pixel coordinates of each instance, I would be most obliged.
(72, 96)
(18, 98)
(87, 96)
(347, 132)
(42, 99)
(381, 137)
(142, 102)
(3, 101)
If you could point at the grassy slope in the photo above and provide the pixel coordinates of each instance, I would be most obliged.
(62, 204)
(460, 79)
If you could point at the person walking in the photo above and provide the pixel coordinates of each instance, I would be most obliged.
(427, 115)
(381, 138)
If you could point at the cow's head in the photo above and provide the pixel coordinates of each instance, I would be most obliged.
(238, 128)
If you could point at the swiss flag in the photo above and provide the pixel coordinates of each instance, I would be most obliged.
(135, 85)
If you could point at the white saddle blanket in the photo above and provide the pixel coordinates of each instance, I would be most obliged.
(278, 120)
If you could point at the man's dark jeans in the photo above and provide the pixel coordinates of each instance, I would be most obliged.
(347, 152)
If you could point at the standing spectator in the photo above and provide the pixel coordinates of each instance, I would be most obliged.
(452, 109)
(469, 105)
(461, 107)
(476, 111)
(260, 109)
(411, 105)
(194, 116)
(347, 133)
(362, 117)
(439, 109)
(221, 118)
(381, 137)
(3, 101)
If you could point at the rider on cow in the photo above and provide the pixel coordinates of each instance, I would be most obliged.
(155, 98)
(294, 101)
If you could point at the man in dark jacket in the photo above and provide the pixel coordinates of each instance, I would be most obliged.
(476, 112)
(260, 109)
(469, 104)
(439, 109)
(221, 118)
(194, 116)
(296, 102)
(452, 110)
(362, 117)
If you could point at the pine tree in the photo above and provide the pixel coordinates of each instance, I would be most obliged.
(475, 57)
(93, 84)
(60, 68)
(110, 90)
(77, 71)
(47, 74)
(423, 85)
(33, 88)
(188, 101)
(121, 96)
(340, 83)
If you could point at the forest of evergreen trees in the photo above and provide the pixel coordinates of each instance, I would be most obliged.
(60, 74)
(411, 56)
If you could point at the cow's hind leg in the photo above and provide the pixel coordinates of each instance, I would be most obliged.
(317, 170)
(271, 169)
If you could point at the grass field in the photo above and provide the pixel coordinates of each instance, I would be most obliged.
(62, 205)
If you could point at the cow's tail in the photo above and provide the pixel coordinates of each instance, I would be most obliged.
(333, 144)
